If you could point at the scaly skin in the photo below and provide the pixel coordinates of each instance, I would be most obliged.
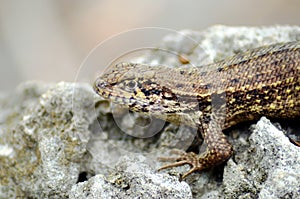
(260, 82)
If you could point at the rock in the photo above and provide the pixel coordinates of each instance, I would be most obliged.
(48, 141)
(64, 141)
(216, 43)
(132, 179)
(273, 171)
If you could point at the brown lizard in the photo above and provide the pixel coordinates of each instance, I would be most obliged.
(259, 82)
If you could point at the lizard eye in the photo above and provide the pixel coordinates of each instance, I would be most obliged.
(130, 85)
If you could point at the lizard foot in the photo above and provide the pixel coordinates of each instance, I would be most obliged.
(182, 159)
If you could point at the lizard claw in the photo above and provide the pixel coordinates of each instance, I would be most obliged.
(183, 158)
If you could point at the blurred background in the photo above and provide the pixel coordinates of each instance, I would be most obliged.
(48, 40)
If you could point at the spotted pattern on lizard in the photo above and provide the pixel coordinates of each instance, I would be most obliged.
(259, 82)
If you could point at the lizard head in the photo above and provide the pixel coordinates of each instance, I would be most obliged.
(147, 89)
(135, 86)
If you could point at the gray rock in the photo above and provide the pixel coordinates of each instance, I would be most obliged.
(132, 179)
(64, 141)
(216, 43)
(271, 172)
(48, 141)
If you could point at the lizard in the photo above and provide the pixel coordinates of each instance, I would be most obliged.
(264, 81)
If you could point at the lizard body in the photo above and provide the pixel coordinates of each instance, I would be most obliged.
(259, 82)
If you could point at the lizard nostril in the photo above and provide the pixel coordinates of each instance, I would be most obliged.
(100, 84)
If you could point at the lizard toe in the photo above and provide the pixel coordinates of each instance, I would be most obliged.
(184, 158)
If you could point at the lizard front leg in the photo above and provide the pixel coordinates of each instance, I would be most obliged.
(217, 151)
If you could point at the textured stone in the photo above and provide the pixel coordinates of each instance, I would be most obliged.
(132, 179)
(273, 171)
(47, 143)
